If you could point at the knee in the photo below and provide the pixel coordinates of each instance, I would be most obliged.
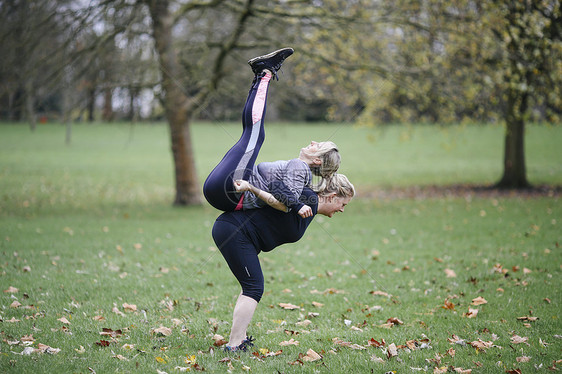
(253, 291)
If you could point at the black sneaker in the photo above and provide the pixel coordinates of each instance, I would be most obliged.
(272, 61)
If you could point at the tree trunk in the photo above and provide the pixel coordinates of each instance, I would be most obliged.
(177, 106)
(30, 105)
(91, 92)
(515, 173)
(107, 114)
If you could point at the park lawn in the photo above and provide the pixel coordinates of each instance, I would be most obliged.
(89, 241)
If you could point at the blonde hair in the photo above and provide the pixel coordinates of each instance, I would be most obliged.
(337, 183)
(329, 154)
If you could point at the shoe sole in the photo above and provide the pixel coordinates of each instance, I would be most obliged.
(269, 55)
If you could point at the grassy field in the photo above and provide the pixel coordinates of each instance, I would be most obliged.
(95, 260)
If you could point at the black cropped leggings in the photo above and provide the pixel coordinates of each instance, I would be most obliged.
(242, 257)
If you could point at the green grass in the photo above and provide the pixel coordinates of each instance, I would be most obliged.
(87, 227)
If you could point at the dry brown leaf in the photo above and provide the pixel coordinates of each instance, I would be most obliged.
(448, 305)
(64, 320)
(377, 359)
(482, 345)
(11, 289)
(15, 304)
(377, 344)
(219, 340)
(516, 339)
(440, 370)
(462, 371)
(289, 342)
(121, 357)
(317, 305)
(523, 359)
(117, 311)
(530, 319)
(392, 351)
(394, 321)
(472, 313)
(450, 273)
(98, 318)
(479, 301)
(379, 293)
(311, 356)
(304, 323)
(129, 307)
(163, 330)
(288, 306)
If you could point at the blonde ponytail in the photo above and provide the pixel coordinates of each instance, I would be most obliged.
(337, 183)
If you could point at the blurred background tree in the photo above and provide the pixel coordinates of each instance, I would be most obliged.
(357, 61)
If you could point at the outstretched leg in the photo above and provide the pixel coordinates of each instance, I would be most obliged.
(239, 161)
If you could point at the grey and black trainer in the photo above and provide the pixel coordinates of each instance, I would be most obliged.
(271, 61)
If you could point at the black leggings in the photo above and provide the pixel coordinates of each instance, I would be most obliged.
(241, 256)
(239, 161)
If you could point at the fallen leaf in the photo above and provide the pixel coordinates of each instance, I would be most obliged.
(379, 293)
(129, 307)
(462, 371)
(163, 331)
(530, 319)
(450, 273)
(304, 323)
(109, 332)
(472, 313)
(377, 359)
(11, 290)
(514, 371)
(392, 351)
(103, 343)
(318, 305)
(64, 320)
(98, 318)
(523, 359)
(117, 311)
(15, 304)
(289, 342)
(448, 305)
(516, 339)
(219, 340)
(479, 301)
(288, 306)
(394, 321)
(311, 356)
(482, 345)
(440, 370)
(527, 271)
(121, 357)
(81, 350)
(377, 344)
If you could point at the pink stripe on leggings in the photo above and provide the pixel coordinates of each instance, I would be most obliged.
(259, 102)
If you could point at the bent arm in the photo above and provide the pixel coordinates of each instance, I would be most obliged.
(242, 185)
